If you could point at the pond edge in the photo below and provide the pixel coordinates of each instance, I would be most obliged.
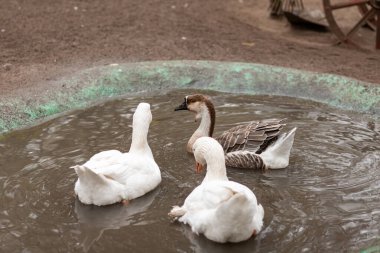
(89, 86)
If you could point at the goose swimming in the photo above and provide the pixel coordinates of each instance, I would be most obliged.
(254, 145)
(222, 210)
(111, 176)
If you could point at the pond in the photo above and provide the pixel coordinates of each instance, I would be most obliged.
(327, 199)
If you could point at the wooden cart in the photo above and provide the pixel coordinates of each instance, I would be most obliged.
(369, 16)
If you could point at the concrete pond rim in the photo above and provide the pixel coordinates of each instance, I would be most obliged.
(89, 86)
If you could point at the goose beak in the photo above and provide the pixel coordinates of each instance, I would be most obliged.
(198, 167)
(182, 106)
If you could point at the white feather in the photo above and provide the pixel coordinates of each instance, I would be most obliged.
(222, 210)
(277, 155)
(111, 176)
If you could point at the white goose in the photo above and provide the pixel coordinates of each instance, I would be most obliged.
(255, 145)
(111, 176)
(222, 210)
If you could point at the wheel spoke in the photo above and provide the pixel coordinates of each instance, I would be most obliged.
(378, 30)
(368, 15)
(348, 4)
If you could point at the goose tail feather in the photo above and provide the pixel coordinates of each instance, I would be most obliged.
(277, 155)
(86, 175)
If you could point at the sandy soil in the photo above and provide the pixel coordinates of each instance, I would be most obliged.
(43, 40)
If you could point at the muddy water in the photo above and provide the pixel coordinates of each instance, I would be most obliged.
(327, 200)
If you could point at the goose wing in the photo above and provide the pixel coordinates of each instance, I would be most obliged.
(114, 165)
(254, 136)
(245, 159)
(209, 196)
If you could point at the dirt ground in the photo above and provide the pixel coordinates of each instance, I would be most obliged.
(43, 40)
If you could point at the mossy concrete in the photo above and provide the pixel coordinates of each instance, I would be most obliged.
(88, 86)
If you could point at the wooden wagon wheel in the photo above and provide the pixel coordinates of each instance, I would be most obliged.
(370, 10)
(363, 8)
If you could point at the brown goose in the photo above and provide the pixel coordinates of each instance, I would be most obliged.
(254, 145)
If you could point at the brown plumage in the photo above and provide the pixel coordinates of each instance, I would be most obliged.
(242, 144)
(245, 159)
(255, 136)
(210, 107)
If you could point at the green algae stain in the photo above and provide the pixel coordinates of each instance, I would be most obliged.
(374, 249)
(185, 80)
(349, 94)
(247, 78)
(49, 108)
(3, 126)
(43, 110)
(163, 72)
(237, 67)
(97, 91)
(32, 114)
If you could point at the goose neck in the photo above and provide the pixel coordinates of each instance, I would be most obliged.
(216, 170)
(207, 115)
(139, 140)
(205, 124)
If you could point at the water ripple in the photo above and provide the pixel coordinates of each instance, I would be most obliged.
(327, 199)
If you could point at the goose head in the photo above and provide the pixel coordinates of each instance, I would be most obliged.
(142, 116)
(208, 151)
(198, 104)
(204, 111)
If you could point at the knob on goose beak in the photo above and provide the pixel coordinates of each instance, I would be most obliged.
(198, 167)
(182, 106)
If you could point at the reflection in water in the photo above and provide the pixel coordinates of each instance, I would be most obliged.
(94, 220)
(201, 244)
(328, 199)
